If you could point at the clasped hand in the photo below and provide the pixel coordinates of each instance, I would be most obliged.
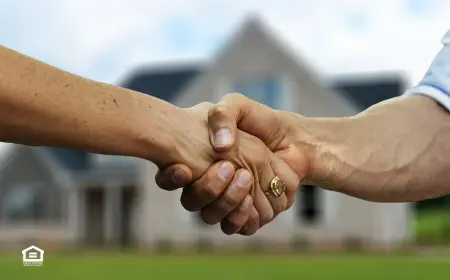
(226, 172)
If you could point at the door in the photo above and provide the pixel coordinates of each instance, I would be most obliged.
(95, 216)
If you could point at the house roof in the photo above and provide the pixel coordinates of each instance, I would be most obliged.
(162, 82)
(69, 159)
(370, 90)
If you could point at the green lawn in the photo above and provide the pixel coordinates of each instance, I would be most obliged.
(273, 267)
(433, 226)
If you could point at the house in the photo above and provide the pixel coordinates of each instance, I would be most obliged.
(59, 196)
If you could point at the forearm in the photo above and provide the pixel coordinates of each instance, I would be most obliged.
(394, 151)
(42, 105)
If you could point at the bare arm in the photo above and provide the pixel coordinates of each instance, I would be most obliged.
(42, 105)
(397, 150)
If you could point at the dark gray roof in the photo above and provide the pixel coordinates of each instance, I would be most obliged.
(369, 91)
(162, 83)
(69, 159)
(125, 173)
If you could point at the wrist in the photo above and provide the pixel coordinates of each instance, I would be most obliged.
(322, 141)
(166, 135)
(154, 133)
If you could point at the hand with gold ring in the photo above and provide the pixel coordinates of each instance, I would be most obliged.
(276, 187)
(232, 110)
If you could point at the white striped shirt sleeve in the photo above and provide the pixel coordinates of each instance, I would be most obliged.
(436, 82)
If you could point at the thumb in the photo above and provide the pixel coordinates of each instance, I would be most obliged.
(222, 126)
(237, 111)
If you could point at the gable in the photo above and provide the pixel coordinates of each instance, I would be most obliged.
(255, 51)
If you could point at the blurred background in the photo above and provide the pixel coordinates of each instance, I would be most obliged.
(103, 217)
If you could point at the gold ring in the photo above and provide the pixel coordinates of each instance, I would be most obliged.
(276, 187)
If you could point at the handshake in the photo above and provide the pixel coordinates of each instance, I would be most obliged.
(243, 177)
(240, 162)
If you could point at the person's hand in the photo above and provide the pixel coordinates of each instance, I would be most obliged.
(251, 153)
(257, 119)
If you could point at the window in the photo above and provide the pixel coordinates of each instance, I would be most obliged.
(264, 89)
(309, 209)
(31, 203)
(24, 203)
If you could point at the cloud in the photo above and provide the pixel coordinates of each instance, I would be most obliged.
(104, 39)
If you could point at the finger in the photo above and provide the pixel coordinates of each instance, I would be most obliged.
(209, 187)
(173, 177)
(238, 217)
(260, 201)
(267, 204)
(291, 183)
(289, 177)
(248, 115)
(252, 224)
(236, 192)
(222, 127)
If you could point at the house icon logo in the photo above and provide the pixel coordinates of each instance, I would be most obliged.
(33, 256)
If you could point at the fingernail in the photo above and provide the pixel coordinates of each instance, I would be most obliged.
(222, 137)
(225, 171)
(243, 179)
(177, 177)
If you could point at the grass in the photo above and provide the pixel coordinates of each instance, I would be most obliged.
(238, 267)
(433, 227)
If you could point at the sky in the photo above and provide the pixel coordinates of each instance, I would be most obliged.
(105, 39)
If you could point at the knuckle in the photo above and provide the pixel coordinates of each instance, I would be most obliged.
(280, 208)
(248, 230)
(235, 95)
(253, 222)
(217, 113)
(230, 199)
(266, 217)
(206, 192)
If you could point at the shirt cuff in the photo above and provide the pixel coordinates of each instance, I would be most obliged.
(432, 92)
